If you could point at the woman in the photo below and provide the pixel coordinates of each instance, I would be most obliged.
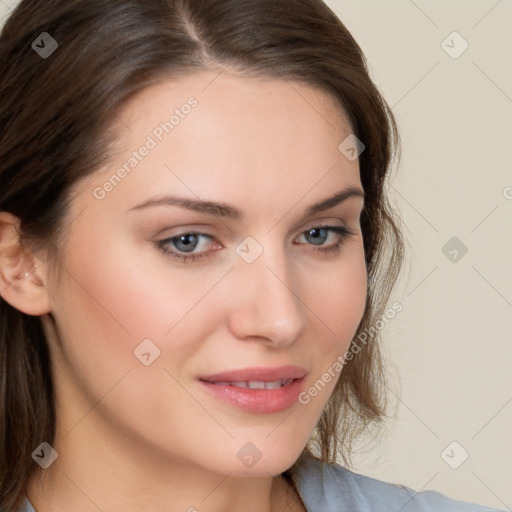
(193, 232)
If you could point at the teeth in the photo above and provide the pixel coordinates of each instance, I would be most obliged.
(238, 384)
(273, 385)
(256, 384)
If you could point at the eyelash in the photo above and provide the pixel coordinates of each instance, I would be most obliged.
(343, 232)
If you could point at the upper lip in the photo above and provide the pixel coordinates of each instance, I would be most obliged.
(259, 374)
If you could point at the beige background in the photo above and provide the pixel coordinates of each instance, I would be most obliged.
(450, 349)
(451, 346)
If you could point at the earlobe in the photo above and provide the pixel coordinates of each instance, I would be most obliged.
(22, 282)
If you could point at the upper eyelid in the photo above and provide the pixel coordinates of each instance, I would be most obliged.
(203, 231)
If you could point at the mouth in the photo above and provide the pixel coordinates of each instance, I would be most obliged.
(257, 390)
(258, 374)
(255, 384)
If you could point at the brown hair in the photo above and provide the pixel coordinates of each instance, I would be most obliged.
(54, 119)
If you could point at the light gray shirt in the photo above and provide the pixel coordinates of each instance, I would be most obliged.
(332, 488)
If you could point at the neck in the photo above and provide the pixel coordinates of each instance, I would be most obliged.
(111, 476)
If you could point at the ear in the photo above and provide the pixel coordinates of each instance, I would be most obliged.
(22, 273)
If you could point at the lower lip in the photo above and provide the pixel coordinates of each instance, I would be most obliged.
(257, 400)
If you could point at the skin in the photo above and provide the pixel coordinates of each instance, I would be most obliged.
(150, 438)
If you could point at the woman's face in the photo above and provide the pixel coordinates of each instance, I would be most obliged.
(137, 329)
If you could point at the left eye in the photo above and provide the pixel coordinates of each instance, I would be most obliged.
(185, 244)
(317, 236)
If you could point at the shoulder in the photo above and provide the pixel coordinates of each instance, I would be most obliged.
(331, 488)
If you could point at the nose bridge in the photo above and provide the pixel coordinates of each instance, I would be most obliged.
(267, 303)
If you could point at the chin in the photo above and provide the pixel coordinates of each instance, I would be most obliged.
(255, 459)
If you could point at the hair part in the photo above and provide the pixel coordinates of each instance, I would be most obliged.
(55, 129)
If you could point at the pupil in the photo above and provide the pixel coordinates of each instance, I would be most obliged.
(317, 238)
(189, 242)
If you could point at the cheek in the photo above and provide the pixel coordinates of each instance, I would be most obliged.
(108, 301)
(338, 308)
(340, 301)
(114, 294)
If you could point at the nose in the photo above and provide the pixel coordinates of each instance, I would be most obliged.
(266, 302)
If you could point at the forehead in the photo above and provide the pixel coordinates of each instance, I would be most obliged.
(215, 134)
(230, 107)
(231, 92)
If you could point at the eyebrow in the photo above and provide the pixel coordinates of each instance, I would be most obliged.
(225, 210)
